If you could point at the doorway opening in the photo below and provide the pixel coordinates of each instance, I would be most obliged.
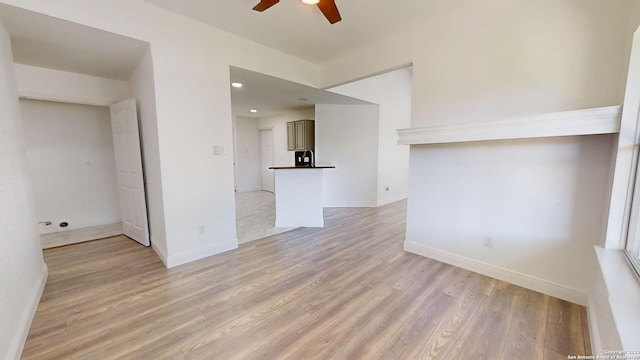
(256, 210)
(85, 171)
(255, 186)
(266, 150)
(262, 105)
(69, 88)
(71, 166)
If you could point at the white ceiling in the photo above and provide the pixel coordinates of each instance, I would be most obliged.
(49, 42)
(270, 95)
(301, 30)
(44, 41)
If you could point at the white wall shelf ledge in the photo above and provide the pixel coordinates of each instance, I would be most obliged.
(602, 120)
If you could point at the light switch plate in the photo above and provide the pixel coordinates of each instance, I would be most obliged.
(219, 150)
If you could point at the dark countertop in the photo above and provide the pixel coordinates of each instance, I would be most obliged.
(302, 167)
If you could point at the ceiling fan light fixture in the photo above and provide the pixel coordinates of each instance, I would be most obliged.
(327, 7)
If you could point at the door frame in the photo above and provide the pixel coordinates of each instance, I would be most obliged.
(262, 165)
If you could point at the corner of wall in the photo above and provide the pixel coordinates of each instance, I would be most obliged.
(28, 315)
(392, 199)
(162, 253)
(173, 260)
(510, 276)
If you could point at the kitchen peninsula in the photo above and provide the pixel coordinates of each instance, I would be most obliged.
(298, 193)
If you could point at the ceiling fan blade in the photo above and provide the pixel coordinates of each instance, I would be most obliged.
(265, 4)
(330, 10)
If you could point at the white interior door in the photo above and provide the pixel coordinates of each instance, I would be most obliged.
(266, 147)
(126, 143)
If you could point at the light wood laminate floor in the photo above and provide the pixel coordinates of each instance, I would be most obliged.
(347, 291)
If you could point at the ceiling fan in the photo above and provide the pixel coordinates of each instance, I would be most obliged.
(328, 8)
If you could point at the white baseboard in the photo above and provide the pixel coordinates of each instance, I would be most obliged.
(162, 253)
(29, 313)
(391, 200)
(75, 236)
(197, 254)
(244, 190)
(364, 204)
(510, 276)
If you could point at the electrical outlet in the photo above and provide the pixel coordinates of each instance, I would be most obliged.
(488, 242)
(201, 229)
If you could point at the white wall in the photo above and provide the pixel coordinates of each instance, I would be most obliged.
(500, 58)
(474, 62)
(347, 137)
(193, 110)
(493, 60)
(278, 123)
(248, 155)
(54, 85)
(22, 269)
(142, 87)
(633, 15)
(541, 201)
(71, 164)
(392, 92)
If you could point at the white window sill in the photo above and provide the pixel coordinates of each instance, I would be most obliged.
(623, 289)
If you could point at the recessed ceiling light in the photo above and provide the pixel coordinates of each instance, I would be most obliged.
(253, 110)
(310, 2)
(236, 84)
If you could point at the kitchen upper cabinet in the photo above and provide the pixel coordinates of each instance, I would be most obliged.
(301, 135)
(291, 136)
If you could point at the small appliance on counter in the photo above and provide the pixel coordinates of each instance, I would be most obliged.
(304, 158)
